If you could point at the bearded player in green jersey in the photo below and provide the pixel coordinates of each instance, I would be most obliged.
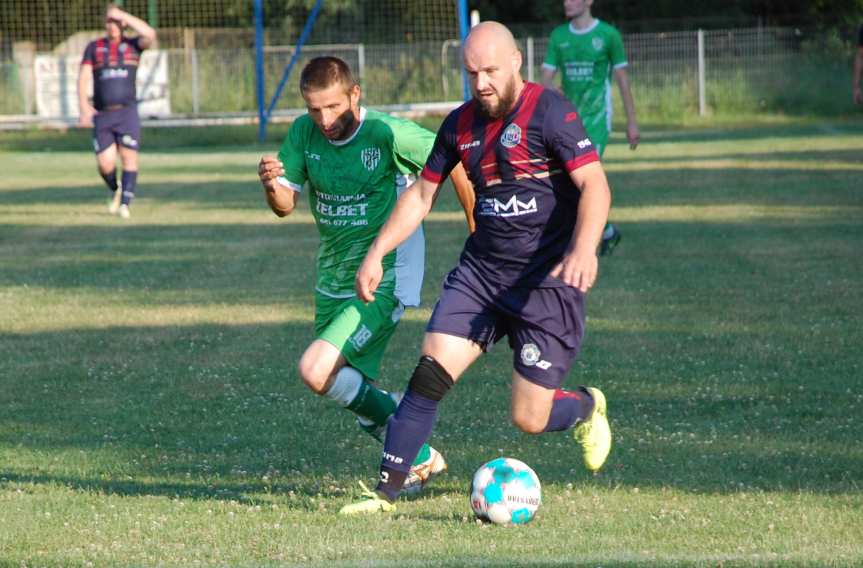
(355, 162)
(588, 52)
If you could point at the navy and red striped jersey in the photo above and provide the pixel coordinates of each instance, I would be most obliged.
(115, 65)
(526, 202)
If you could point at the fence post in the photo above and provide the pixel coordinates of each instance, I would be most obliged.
(702, 96)
(195, 107)
(361, 63)
(24, 56)
(530, 59)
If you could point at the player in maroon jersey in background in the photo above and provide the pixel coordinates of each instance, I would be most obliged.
(110, 64)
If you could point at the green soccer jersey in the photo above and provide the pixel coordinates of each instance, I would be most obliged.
(586, 59)
(353, 186)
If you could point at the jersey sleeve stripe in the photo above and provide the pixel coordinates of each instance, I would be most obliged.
(582, 160)
(549, 66)
(431, 176)
(622, 64)
(284, 181)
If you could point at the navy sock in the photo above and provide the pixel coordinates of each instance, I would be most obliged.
(408, 430)
(568, 408)
(110, 180)
(130, 180)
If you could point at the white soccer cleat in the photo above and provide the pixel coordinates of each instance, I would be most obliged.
(114, 204)
(421, 475)
(123, 211)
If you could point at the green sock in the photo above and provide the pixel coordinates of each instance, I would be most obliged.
(372, 404)
(425, 453)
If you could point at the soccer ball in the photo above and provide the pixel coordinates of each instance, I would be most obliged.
(505, 491)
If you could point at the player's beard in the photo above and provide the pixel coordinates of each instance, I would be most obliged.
(343, 126)
(505, 100)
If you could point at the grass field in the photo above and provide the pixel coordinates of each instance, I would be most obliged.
(151, 413)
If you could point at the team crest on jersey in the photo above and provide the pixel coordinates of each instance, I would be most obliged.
(511, 136)
(371, 158)
(598, 43)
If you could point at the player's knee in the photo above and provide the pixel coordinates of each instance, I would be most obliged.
(313, 374)
(529, 422)
(430, 379)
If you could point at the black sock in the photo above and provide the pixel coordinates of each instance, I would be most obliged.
(408, 430)
(569, 408)
(130, 180)
(110, 180)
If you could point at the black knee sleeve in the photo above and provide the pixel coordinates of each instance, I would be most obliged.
(430, 379)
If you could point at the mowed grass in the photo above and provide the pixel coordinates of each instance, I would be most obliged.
(151, 412)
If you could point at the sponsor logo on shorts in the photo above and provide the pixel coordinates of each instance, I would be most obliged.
(371, 157)
(129, 141)
(511, 136)
(95, 144)
(530, 356)
(361, 337)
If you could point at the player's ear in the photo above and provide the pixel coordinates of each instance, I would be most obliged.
(516, 61)
(354, 93)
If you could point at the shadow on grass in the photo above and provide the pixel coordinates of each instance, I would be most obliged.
(222, 407)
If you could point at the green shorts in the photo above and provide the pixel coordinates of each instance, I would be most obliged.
(359, 331)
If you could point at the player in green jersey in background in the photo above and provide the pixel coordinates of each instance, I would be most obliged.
(355, 162)
(587, 52)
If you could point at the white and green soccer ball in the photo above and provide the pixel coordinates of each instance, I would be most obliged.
(505, 491)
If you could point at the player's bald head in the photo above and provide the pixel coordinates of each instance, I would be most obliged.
(490, 37)
(493, 64)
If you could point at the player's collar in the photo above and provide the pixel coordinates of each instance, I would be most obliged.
(354, 135)
(586, 30)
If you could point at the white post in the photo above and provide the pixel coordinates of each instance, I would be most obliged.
(361, 62)
(194, 61)
(702, 96)
(530, 59)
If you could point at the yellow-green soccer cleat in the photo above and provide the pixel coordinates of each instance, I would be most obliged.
(369, 503)
(421, 474)
(594, 434)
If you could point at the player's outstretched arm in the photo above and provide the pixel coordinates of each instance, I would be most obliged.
(145, 32)
(281, 199)
(632, 133)
(579, 266)
(464, 192)
(410, 210)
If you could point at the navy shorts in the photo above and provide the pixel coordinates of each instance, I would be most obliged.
(544, 325)
(121, 126)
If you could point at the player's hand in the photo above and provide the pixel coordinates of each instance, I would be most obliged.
(270, 168)
(85, 118)
(633, 135)
(368, 278)
(578, 270)
(115, 13)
